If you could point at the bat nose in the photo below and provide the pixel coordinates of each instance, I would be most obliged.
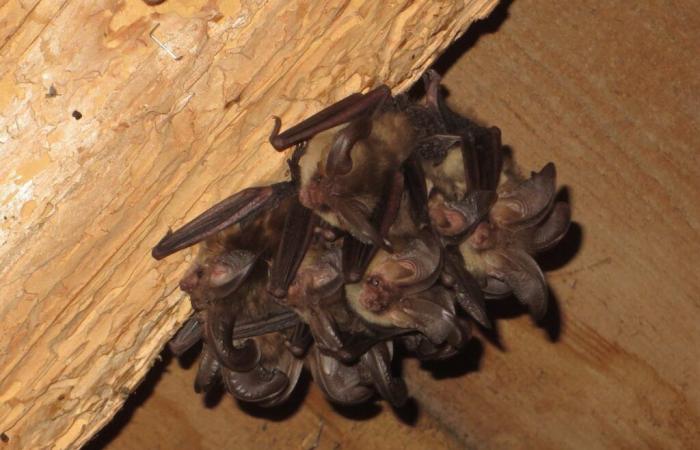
(188, 283)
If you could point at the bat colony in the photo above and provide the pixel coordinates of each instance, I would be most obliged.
(399, 222)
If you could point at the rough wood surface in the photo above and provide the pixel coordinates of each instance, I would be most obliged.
(105, 141)
(610, 93)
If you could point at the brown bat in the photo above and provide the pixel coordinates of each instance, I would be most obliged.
(459, 161)
(235, 316)
(256, 366)
(277, 370)
(347, 359)
(523, 221)
(354, 148)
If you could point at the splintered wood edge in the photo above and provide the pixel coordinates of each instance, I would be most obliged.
(108, 141)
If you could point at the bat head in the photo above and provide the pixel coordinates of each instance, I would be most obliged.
(345, 170)
(340, 189)
(390, 277)
(216, 276)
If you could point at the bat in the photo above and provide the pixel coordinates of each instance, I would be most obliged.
(523, 221)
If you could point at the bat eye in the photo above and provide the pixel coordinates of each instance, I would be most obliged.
(199, 272)
(316, 178)
(324, 208)
(374, 281)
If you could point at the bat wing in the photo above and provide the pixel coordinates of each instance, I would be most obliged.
(467, 291)
(296, 236)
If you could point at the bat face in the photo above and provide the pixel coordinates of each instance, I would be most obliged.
(412, 268)
(214, 277)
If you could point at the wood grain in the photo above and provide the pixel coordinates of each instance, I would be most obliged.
(610, 92)
(106, 141)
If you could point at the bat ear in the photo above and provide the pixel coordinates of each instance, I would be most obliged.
(467, 291)
(229, 271)
(455, 218)
(339, 382)
(221, 273)
(418, 266)
(339, 161)
(377, 363)
(218, 335)
(553, 229)
(433, 315)
(257, 385)
(357, 222)
(431, 81)
(188, 336)
(521, 273)
(528, 203)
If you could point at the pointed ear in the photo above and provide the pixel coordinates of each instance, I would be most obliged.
(377, 362)
(418, 265)
(340, 383)
(431, 82)
(528, 203)
(553, 229)
(190, 333)
(519, 271)
(229, 271)
(357, 222)
(467, 290)
(218, 335)
(495, 289)
(490, 158)
(208, 372)
(339, 161)
(257, 385)
(434, 319)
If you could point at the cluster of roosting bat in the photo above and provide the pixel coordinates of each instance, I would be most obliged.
(400, 220)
